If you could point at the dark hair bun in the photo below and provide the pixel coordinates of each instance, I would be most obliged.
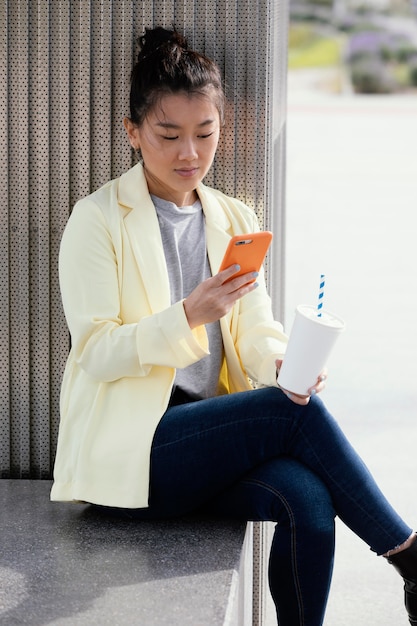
(161, 40)
(167, 65)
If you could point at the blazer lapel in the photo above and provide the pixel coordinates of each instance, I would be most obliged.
(218, 228)
(142, 228)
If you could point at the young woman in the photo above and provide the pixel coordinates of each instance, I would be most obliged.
(158, 415)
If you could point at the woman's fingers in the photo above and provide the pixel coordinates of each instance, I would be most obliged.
(226, 278)
(320, 385)
(214, 297)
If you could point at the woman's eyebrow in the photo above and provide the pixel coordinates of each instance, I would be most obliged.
(171, 125)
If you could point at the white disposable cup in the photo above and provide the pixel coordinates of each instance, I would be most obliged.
(310, 343)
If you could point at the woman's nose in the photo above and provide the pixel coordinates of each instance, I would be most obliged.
(188, 150)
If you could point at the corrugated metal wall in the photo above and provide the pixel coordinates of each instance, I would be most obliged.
(64, 92)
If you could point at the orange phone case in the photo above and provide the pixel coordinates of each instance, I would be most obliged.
(248, 251)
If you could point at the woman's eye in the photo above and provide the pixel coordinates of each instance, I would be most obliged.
(169, 138)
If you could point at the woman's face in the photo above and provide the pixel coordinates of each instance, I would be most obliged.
(178, 141)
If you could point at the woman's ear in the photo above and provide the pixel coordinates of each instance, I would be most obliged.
(132, 133)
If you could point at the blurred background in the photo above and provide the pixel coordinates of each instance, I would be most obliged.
(351, 203)
(355, 46)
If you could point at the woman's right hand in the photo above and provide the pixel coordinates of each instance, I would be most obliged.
(214, 297)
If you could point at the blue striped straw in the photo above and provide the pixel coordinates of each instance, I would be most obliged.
(321, 294)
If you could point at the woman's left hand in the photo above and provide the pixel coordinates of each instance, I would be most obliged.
(300, 399)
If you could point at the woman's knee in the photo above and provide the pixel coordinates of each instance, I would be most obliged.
(291, 494)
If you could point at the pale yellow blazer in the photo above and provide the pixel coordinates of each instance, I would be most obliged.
(127, 338)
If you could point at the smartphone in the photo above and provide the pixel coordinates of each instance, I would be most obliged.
(248, 251)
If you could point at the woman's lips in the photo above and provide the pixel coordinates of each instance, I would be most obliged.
(187, 172)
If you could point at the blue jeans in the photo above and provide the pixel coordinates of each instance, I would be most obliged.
(258, 456)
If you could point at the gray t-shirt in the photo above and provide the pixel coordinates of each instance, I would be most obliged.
(184, 241)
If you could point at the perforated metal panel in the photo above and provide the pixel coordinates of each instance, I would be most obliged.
(64, 92)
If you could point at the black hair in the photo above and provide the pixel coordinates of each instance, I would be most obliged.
(166, 65)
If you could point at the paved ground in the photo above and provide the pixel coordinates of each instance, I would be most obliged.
(352, 214)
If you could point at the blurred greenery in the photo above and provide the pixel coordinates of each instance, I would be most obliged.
(374, 51)
(308, 48)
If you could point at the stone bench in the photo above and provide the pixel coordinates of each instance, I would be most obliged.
(64, 564)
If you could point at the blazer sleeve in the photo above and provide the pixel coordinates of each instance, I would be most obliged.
(90, 271)
(260, 339)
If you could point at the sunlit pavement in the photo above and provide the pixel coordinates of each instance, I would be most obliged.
(352, 214)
